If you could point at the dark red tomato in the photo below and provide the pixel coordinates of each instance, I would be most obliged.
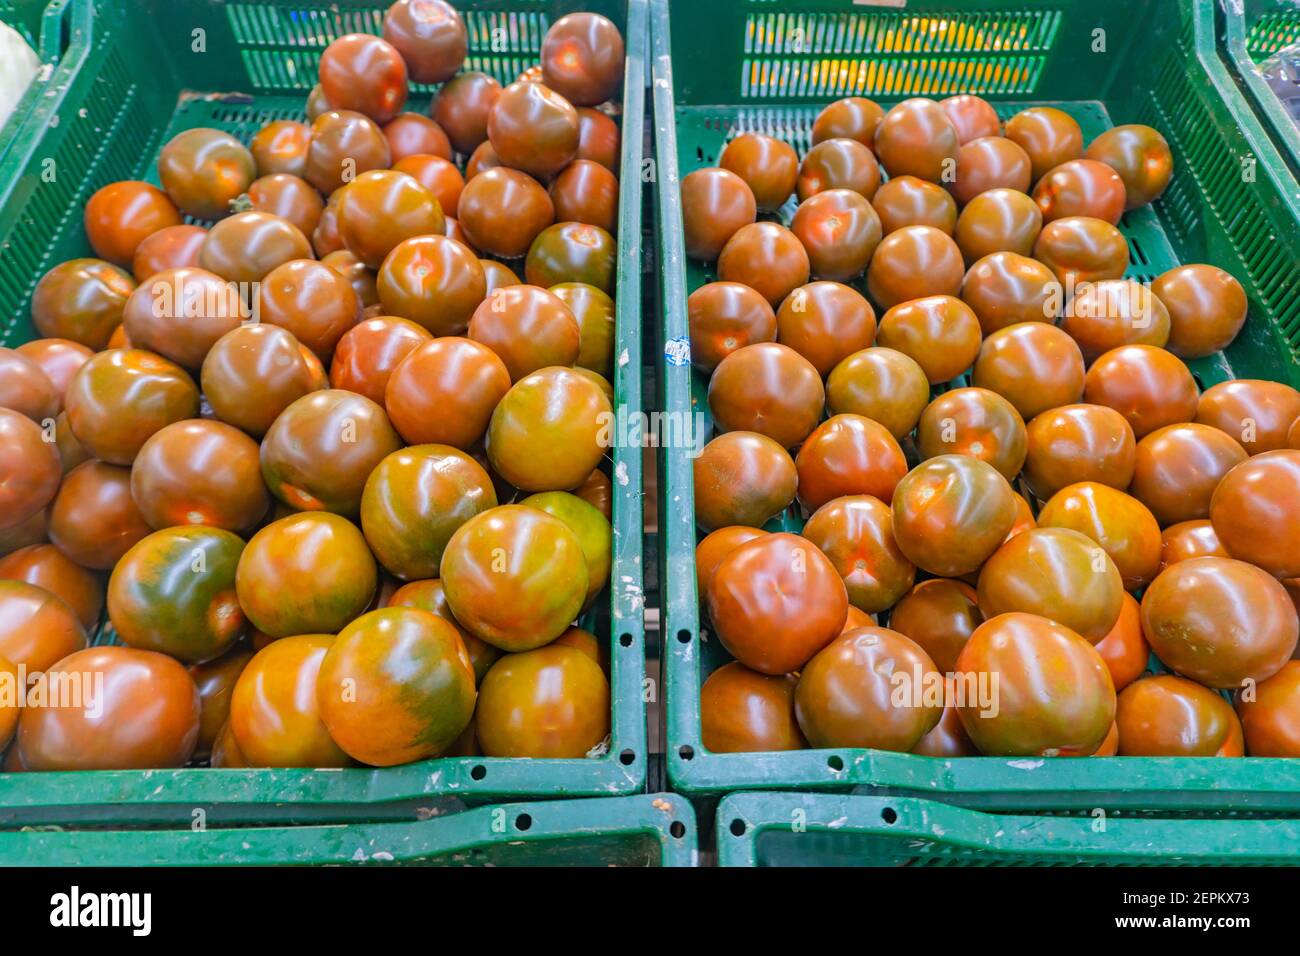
(382, 208)
(1057, 572)
(939, 332)
(215, 681)
(1167, 716)
(255, 372)
(572, 252)
(972, 117)
(25, 388)
(411, 134)
(361, 278)
(949, 737)
(768, 258)
(716, 204)
(768, 166)
(1110, 313)
(1078, 443)
(838, 164)
(1033, 365)
(940, 615)
(181, 313)
(856, 533)
(462, 106)
(1081, 249)
(989, 162)
(724, 317)
(743, 711)
(549, 702)
(344, 144)
(146, 717)
(94, 519)
(1005, 288)
(288, 197)
(767, 388)
(498, 275)
(444, 392)
(914, 262)
(1270, 717)
(908, 201)
(121, 397)
(121, 215)
(854, 117)
(528, 327)
(882, 384)
(1123, 526)
(81, 300)
(1178, 467)
(582, 58)
(586, 192)
(248, 245)
(776, 601)
(203, 170)
(1147, 385)
(826, 322)
(1081, 187)
(312, 301)
(1189, 539)
(1141, 158)
(326, 239)
(999, 220)
(599, 139)
(503, 210)
(849, 694)
(533, 129)
(742, 478)
(370, 351)
(37, 629)
(71, 451)
(365, 74)
(9, 712)
(716, 546)
(172, 247)
(597, 490)
(1054, 694)
(316, 103)
(975, 422)
(550, 431)
(848, 455)
(592, 528)
(430, 36)
(430, 595)
(840, 232)
(1254, 412)
(281, 147)
(1124, 648)
(25, 533)
(951, 513)
(594, 310)
(45, 566)
(174, 592)
(1050, 137)
(1207, 308)
(307, 573)
(434, 281)
(1256, 513)
(916, 138)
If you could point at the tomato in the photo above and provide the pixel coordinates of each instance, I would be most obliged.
(1053, 695)
(939, 614)
(274, 715)
(1219, 621)
(225, 752)
(528, 327)
(1078, 443)
(499, 275)
(1256, 514)
(848, 455)
(572, 252)
(1110, 313)
(382, 208)
(1124, 648)
(989, 162)
(515, 576)
(1270, 718)
(45, 566)
(434, 281)
(856, 533)
(775, 602)
(1033, 365)
(742, 711)
(597, 490)
(548, 702)
(586, 192)
(591, 527)
(344, 144)
(482, 159)
(248, 246)
(25, 533)
(848, 694)
(370, 351)
(1081, 187)
(939, 332)
(1189, 539)
(81, 300)
(1256, 413)
(145, 716)
(439, 176)
(854, 117)
(533, 129)
(1207, 308)
(882, 384)
(25, 388)
(839, 230)
(1124, 527)
(181, 313)
(972, 117)
(999, 220)
(838, 164)
(916, 138)
(444, 392)
(215, 681)
(1141, 158)
(826, 322)
(768, 166)
(1178, 467)
(9, 710)
(1082, 249)
(767, 388)
(1167, 716)
(1050, 137)
(1147, 385)
(365, 74)
(121, 215)
(975, 422)
(461, 108)
(172, 247)
(203, 170)
(594, 311)
(503, 211)
(951, 513)
(430, 36)
(908, 201)
(768, 258)
(1005, 288)
(599, 139)
(37, 629)
(716, 546)
(949, 737)
(307, 573)
(430, 595)
(742, 478)
(94, 520)
(914, 262)
(316, 103)
(255, 372)
(411, 134)
(288, 197)
(582, 58)
(281, 147)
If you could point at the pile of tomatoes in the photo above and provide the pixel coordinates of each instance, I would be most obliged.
(1012, 460)
(333, 468)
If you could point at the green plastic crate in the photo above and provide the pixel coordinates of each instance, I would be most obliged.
(656, 830)
(132, 84)
(770, 67)
(803, 829)
(1251, 32)
(46, 31)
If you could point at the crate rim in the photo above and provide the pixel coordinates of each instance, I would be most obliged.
(1266, 105)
